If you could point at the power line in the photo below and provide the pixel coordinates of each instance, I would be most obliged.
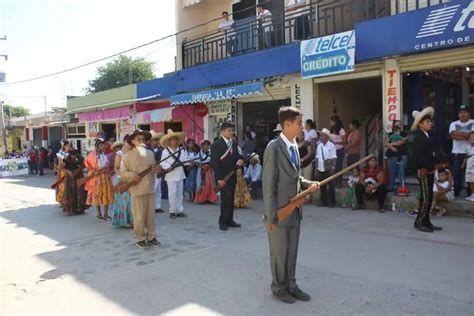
(119, 53)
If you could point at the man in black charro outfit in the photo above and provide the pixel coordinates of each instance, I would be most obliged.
(424, 154)
(225, 156)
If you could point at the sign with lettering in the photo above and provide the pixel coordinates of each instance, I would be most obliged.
(392, 94)
(219, 108)
(437, 27)
(328, 55)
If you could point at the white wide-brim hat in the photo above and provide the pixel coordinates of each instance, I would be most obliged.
(164, 141)
(418, 116)
(117, 144)
(255, 156)
(155, 135)
(277, 128)
(325, 131)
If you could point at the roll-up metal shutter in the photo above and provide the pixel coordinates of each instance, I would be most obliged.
(436, 60)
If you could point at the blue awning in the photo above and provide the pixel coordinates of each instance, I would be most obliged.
(217, 94)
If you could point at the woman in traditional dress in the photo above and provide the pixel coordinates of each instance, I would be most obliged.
(74, 198)
(242, 197)
(192, 156)
(122, 215)
(205, 177)
(99, 188)
(61, 155)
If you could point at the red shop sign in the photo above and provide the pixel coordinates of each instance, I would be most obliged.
(201, 109)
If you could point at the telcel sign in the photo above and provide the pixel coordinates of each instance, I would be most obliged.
(328, 55)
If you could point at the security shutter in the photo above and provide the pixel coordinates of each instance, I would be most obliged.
(441, 59)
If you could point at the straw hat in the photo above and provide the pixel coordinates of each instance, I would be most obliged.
(325, 131)
(277, 128)
(117, 144)
(137, 132)
(255, 156)
(164, 141)
(155, 135)
(418, 116)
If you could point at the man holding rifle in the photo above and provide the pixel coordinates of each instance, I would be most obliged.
(136, 161)
(225, 157)
(281, 182)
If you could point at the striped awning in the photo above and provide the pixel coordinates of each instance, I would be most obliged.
(217, 94)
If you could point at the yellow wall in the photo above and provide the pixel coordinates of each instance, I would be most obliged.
(12, 139)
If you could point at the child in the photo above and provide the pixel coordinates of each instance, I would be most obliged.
(442, 190)
(469, 165)
(349, 199)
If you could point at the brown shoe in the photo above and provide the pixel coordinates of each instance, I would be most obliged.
(154, 242)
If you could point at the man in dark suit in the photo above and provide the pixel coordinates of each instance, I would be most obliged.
(281, 182)
(225, 156)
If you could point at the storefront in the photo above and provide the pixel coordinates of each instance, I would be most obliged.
(433, 63)
(212, 107)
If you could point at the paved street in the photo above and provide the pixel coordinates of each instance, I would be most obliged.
(352, 263)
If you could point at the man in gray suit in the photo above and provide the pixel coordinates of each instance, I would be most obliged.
(281, 182)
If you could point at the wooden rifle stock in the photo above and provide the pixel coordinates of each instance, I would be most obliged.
(230, 174)
(83, 181)
(58, 182)
(297, 200)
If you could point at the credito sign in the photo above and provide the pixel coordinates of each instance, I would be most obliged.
(328, 55)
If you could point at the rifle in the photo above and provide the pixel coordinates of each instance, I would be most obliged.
(296, 201)
(123, 185)
(58, 182)
(82, 181)
(230, 174)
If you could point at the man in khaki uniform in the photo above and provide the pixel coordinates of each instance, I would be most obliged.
(143, 194)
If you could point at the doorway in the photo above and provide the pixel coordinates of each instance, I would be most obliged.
(175, 126)
(110, 130)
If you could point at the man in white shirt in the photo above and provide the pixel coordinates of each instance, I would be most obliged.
(227, 27)
(297, 9)
(326, 157)
(175, 171)
(264, 18)
(253, 175)
(459, 131)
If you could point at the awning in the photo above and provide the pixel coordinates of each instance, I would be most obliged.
(153, 116)
(217, 94)
(106, 115)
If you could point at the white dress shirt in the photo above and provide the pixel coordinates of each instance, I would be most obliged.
(293, 3)
(178, 173)
(289, 143)
(328, 151)
(254, 173)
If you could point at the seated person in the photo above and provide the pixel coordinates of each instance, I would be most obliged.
(349, 198)
(371, 183)
(442, 190)
(253, 175)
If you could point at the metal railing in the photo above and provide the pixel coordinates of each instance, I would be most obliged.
(317, 18)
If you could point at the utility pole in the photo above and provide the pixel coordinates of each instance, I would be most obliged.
(2, 121)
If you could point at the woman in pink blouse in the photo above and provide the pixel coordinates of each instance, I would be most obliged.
(354, 142)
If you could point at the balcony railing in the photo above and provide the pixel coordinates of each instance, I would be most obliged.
(318, 18)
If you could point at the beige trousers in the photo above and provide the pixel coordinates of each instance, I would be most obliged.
(143, 207)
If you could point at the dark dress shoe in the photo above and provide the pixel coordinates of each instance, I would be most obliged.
(298, 294)
(285, 297)
(223, 227)
(424, 228)
(182, 214)
(173, 216)
(234, 224)
(433, 227)
(159, 210)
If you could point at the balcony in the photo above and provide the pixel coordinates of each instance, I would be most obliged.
(318, 18)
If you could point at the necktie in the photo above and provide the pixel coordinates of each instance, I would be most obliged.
(294, 156)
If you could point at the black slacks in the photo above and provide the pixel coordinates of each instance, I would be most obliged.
(227, 204)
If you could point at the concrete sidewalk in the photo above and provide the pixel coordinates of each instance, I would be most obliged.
(352, 263)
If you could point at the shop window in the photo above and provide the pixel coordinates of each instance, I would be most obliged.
(175, 126)
(144, 127)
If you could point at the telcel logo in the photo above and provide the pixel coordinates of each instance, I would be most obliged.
(336, 41)
(466, 13)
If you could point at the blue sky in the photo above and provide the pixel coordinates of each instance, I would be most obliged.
(44, 36)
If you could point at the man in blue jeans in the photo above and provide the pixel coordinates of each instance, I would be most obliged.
(459, 131)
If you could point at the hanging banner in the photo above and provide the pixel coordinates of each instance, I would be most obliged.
(392, 94)
(328, 55)
(13, 167)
